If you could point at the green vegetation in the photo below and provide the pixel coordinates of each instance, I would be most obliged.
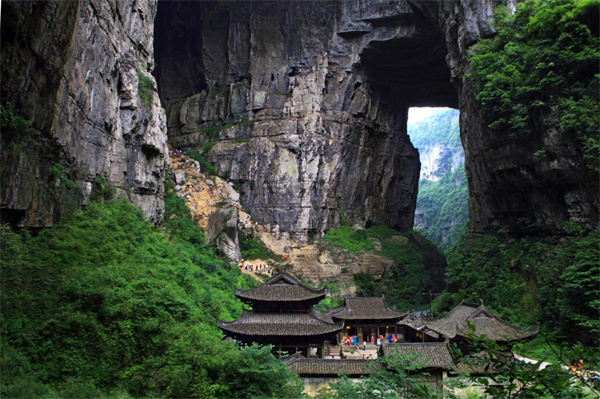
(104, 304)
(254, 248)
(418, 266)
(145, 89)
(443, 202)
(202, 158)
(333, 299)
(542, 68)
(535, 279)
(287, 94)
(102, 190)
(441, 127)
(516, 379)
(33, 157)
(445, 206)
(393, 377)
(351, 240)
(213, 131)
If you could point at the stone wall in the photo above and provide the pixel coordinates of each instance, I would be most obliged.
(510, 188)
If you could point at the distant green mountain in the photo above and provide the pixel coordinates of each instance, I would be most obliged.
(441, 127)
(442, 208)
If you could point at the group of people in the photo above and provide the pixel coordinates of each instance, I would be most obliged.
(352, 340)
(173, 152)
(576, 367)
(258, 268)
(577, 370)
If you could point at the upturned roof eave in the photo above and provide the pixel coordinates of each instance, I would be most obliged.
(329, 327)
(242, 295)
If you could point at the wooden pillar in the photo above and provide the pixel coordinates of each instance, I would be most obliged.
(279, 352)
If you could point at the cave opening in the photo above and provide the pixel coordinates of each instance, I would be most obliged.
(411, 74)
(442, 208)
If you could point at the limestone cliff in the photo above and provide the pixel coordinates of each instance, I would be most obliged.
(81, 73)
(306, 102)
(510, 188)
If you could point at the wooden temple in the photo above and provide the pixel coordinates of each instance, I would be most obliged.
(282, 315)
(454, 326)
(367, 319)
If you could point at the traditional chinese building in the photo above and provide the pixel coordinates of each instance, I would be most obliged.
(432, 359)
(366, 318)
(282, 315)
(454, 326)
(316, 373)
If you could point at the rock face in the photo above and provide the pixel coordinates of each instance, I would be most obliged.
(510, 187)
(222, 228)
(437, 160)
(307, 103)
(80, 72)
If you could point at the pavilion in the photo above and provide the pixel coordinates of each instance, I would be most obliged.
(454, 326)
(282, 315)
(367, 317)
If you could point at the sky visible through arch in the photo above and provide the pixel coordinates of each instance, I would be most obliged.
(416, 114)
(442, 208)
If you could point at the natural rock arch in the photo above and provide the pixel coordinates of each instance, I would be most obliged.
(316, 95)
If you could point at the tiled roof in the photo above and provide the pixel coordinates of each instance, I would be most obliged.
(472, 368)
(478, 363)
(455, 323)
(303, 366)
(279, 324)
(366, 308)
(422, 355)
(281, 288)
(418, 325)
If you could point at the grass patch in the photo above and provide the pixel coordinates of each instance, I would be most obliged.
(252, 248)
(346, 238)
(145, 90)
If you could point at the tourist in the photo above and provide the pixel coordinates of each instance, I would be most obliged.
(364, 346)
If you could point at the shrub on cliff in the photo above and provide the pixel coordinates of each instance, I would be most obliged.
(542, 70)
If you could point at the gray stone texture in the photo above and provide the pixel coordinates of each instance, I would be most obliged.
(311, 98)
(73, 68)
(307, 101)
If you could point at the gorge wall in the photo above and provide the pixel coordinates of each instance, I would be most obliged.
(302, 104)
(74, 70)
